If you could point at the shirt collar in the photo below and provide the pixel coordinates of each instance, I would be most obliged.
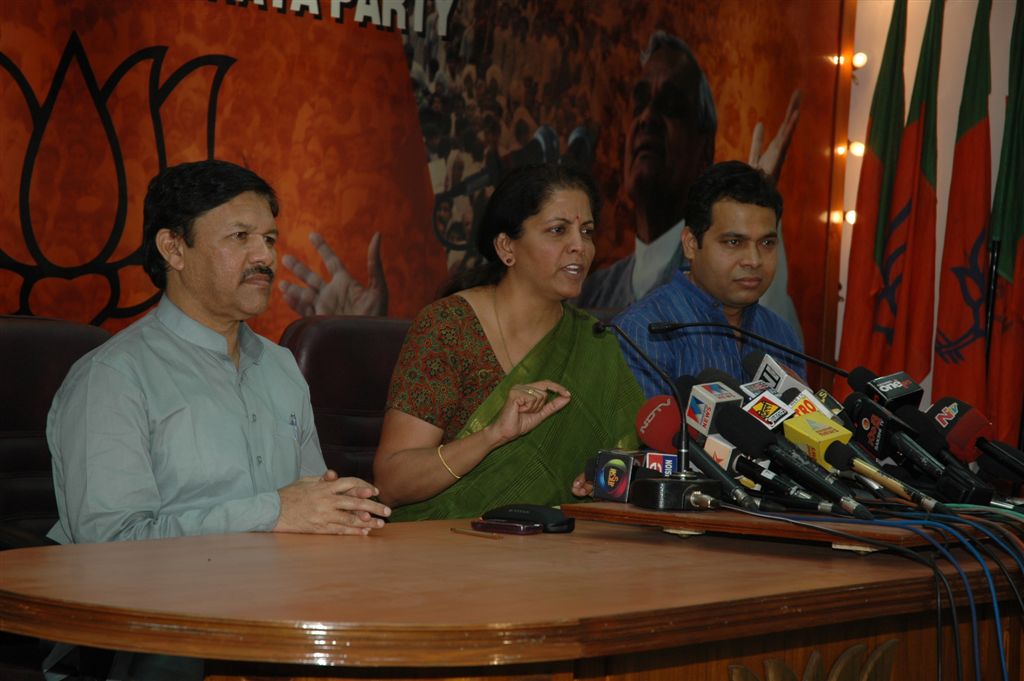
(188, 329)
(704, 301)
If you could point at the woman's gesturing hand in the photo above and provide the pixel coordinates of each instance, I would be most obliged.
(526, 406)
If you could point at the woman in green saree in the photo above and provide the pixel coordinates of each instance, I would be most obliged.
(502, 391)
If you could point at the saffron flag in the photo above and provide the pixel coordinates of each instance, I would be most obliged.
(901, 337)
(874, 192)
(1006, 355)
(960, 333)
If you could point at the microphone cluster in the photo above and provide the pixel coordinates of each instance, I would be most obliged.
(774, 444)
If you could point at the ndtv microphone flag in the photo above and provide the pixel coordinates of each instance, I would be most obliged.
(960, 336)
(874, 192)
(1006, 355)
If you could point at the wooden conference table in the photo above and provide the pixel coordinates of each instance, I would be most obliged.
(417, 600)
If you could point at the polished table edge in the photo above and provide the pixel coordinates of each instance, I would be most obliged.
(357, 644)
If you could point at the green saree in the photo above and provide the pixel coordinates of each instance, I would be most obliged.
(539, 467)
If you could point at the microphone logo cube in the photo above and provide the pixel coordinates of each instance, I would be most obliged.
(769, 409)
(666, 464)
(766, 373)
(614, 470)
(705, 398)
(947, 415)
(754, 388)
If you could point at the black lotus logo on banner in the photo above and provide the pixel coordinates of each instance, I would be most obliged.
(89, 252)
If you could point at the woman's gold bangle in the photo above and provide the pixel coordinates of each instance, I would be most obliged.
(445, 463)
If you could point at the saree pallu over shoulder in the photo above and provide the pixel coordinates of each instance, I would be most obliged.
(539, 467)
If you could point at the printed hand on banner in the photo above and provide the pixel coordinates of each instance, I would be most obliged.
(342, 294)
(770, 158)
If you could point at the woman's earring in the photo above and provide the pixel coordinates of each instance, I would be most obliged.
(508, 261)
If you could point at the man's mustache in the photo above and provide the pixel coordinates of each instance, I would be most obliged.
(258, 269)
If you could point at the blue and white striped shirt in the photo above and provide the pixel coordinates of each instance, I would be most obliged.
(689, 351)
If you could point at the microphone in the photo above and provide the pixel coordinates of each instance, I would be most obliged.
(763, 367)
(684, 440)
(657, 423)
(844, 458)
(705, 486)
(769, 409)
(666, 327)
(662, 424)
(891, 391)
(969, 435)
(836, 407)
(814, 433)
(970, 487)
(704, 400)
(738, 464)
(745, 431)
(881, 432)
(713, 375)
(805, 402)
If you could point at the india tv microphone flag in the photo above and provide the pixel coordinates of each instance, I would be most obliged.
(963, 276)
(901, 336)
(874, 192)
(1006, 354)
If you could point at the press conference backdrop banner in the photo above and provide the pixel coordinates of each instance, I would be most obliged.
(372, 116)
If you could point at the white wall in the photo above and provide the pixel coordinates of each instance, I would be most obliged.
(872, 26)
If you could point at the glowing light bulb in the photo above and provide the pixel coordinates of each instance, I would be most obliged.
(859, 60)
(857, 148)
(851, 217)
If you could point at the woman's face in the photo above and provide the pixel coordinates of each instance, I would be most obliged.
(554, 252)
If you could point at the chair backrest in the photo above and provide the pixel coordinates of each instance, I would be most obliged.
(347, 362)
(35, 356)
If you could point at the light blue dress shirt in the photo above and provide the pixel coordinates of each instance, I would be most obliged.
(156, 433)
(690, 351)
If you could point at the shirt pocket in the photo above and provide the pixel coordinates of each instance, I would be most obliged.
(287, 446)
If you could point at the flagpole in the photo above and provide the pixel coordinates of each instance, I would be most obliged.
(990, 296)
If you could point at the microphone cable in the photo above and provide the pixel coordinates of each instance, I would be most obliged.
(1011, 551)
(969, 547)
(941, 582)
(1016, 515)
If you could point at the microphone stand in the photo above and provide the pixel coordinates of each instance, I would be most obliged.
(698, 488)
(666, 327)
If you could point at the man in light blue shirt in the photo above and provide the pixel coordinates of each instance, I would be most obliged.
(187, 422)
(731, 241)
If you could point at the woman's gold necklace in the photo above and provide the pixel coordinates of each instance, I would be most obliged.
(501, 333)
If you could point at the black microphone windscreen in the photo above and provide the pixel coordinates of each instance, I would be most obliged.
(713, 375)
(840, 456)
(929, 435)
(684, 384)
(859, 377)
(992, 469)
(743, 430)
(752, 361)
(790, 395)
(852, 404)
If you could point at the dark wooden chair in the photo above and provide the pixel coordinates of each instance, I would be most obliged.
(347, 362)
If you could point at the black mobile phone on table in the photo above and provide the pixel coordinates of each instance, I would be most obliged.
(506, 526)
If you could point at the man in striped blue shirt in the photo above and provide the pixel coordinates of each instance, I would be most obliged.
(731, 239)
